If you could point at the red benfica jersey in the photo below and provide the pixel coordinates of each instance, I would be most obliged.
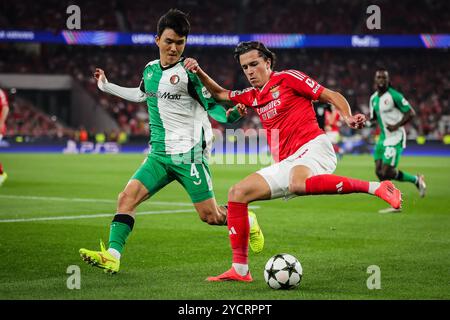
(333, 119)
(284, 106)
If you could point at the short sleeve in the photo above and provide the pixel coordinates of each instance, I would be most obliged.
(199, 92)
(400, 101)
(303, 84)
(142, 85)
(246, 96)
(215, 110)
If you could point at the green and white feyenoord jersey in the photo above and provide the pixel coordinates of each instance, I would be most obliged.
(389, 109)
(177, 106)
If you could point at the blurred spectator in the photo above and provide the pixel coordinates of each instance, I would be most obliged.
(83, 135)
(234, 16)
(422, 75)
(27, 120)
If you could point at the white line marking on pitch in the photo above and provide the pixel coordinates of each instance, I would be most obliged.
(162, 203)
(86, 200)
(89, 216)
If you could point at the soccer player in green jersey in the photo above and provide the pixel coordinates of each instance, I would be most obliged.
(181, 139)
(392, 111)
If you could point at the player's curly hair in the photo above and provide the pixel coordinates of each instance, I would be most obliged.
(246, 46)
(174, 19)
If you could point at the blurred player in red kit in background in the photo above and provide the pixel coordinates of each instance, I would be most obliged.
(333, 125)
(4, 110)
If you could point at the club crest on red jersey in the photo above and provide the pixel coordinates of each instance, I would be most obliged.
(275, 92)
(274, 88)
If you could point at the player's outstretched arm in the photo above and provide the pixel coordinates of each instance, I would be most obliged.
(215, 89)
(130, 94)
(338, 100)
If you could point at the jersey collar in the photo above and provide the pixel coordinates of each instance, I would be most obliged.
(170, 65)
(380, 95)
(264, 86)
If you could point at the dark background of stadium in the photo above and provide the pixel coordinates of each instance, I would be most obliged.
(421, 74)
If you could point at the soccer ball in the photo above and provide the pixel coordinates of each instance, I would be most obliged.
(283, 271)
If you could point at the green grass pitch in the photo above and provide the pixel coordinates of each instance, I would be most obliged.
(169, 255)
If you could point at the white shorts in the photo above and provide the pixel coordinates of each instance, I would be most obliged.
(318, 155)
(334, 136)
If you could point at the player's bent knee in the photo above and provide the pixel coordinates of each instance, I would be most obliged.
(384, 175)
(379, 175)
(123, 197)
(392, 174)
(125, 202)
(388, 175)
(237, 194)
(298, 188)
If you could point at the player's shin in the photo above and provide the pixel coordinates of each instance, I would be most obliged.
(333, 184)
(121, 226)
(239, 231)
(406, 177)
(224, 212)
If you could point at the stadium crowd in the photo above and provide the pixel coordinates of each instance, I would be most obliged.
(234, 16)
(27, 121)
(420, 74)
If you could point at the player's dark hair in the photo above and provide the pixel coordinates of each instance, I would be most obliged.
(247, 46)
(382, 69)
(176, 20)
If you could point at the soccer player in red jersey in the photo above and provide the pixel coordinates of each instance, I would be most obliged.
(4, 110)
(304, 155)
(332, 129)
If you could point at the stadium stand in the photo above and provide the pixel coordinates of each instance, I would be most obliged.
(231, 16)
(29, 122)
(420, 74)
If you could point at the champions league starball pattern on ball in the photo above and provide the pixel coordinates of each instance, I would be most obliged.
(283, 271)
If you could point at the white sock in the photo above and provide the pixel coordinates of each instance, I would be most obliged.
(114, 253)
(250, 221)
(240, 268)
(373, 186)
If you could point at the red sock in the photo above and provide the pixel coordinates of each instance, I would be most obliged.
(332, 184)
(239, 231)
(1, 169)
